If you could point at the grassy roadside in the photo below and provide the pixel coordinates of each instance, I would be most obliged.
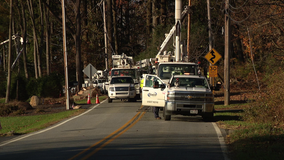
(26, 124)
(13, 125)
(248, 140)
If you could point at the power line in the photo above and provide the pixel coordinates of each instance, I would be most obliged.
(237, 8)
(241, 20)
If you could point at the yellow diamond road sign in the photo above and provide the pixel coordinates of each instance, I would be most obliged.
(213, 56)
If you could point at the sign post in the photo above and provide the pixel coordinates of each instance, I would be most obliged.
(90, 70)
(213, 56)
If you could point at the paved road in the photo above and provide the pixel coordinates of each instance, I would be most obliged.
(121, 131)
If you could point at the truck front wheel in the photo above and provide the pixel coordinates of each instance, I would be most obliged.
(109, 100)
(167, 117)
(208, 116)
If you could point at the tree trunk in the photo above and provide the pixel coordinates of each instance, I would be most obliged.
(109, 31)
(47, 35)
(40, 44)
(24, 33)
(17, 49)
(78, 45)
(163, 13)
(148, 22)
(10, 53)
(154, 19)
(114, 27)
(30, 7)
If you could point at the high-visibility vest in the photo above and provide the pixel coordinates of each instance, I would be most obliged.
(141, 83)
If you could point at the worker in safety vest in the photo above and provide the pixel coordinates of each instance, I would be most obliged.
(141, 85)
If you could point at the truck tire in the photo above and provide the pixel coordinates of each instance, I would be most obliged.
(109, 100)
(132, 100)
(165, 115)
(208, 117)
(168, 117)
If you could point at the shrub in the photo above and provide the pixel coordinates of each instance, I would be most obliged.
(269, 106)
(5, 110)
(21, 90)
(51, 86)
(47, 86)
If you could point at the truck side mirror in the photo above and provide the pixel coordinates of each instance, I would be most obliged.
(156, 84)
(162, 86)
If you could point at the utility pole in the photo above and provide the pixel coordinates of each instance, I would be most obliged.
(178, 7)
(10, 53)
(227, 55)
(65, 54)
(188, 31)
(210, 36)
(105, 34)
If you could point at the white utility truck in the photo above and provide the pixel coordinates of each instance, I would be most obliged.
(182, 95)
(123, 66)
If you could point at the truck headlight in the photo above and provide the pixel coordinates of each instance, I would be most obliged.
(171, 96)
(111, 89)
(137, 86)
(170, 106)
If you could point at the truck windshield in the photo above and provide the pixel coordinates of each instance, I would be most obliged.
(189, 82)
(116, 80)
(167, 70)
(124, 72)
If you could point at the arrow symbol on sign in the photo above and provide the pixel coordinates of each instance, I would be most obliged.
(213, 56)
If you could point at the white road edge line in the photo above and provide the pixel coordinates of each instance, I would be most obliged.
(221, 141)
(47, 129)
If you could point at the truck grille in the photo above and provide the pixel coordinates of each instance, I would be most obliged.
(205, 97)
(121, 88)
(193, 106)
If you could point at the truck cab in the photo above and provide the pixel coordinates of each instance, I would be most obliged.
(166, 70)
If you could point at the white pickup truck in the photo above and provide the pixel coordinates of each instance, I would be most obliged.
(183, 95)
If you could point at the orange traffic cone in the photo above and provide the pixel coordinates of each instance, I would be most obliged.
(97, 99)
(89, 100)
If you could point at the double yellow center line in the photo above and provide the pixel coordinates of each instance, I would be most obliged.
(110, 137)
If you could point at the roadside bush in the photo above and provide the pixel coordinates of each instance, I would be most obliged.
(5, 110)
(32, 86)
(269, 108)
(51, 86)
(20, 82)
(3, 83)
(47, 86)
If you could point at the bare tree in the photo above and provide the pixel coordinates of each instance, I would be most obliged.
(24, 34)
(47, 37)
(30, 7)
(109, 30)
(114, 26)
(10, 53)
(78, 44)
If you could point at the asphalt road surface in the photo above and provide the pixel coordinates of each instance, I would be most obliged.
(120, 131)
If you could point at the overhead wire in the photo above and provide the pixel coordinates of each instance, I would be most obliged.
(237, 8)
(236, 21)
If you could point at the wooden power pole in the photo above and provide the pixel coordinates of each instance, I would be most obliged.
(9, 55)
(65, 54)
(188, 31)
(105, 35)
(227, 56)
(209, 35)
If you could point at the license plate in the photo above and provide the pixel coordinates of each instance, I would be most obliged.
(193, 111)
